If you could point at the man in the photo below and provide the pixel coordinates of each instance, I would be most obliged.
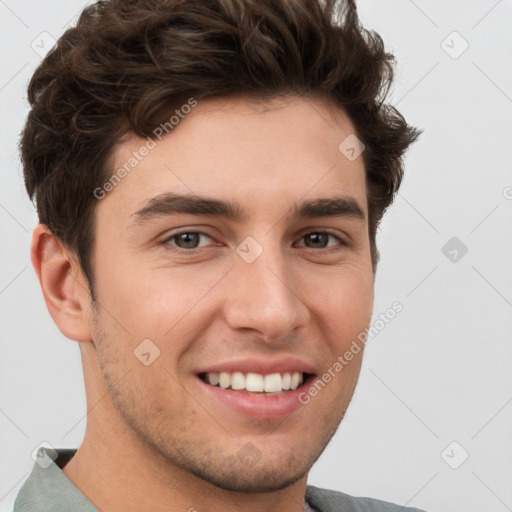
(209, 178)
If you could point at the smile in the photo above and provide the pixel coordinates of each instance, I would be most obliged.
(256, 395)
(255, 382)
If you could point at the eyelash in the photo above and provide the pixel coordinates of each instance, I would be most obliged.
(167, 245)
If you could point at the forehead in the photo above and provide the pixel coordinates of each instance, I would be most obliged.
(263, 152)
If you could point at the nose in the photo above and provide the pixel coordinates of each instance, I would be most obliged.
(264, 296)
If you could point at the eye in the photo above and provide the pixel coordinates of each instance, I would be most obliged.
(320, 239)
(185, 240)
(190, 240)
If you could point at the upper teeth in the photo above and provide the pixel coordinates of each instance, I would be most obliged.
(256, 382)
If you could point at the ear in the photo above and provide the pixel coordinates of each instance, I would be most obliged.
(65, 289)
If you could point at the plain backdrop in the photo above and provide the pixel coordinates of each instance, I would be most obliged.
(431, 418)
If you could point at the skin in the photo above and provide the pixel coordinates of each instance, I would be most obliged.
(152, 433)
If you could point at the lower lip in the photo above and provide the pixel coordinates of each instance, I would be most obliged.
(263, 407)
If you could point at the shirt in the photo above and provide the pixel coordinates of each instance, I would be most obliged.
(48, 489)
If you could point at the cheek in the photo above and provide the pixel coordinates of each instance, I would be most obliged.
(349, 314)
(355, 307)
(155, 301)
(343, 301)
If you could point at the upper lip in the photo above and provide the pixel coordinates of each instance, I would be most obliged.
(259, 365)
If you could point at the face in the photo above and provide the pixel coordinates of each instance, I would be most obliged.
(261, 282)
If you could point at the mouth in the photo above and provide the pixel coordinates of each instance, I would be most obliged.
(256, 388)
(259, 384)
(255, 395)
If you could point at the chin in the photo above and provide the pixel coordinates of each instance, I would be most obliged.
(252, 469)
(243, 479)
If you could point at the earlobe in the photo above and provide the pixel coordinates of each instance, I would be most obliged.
(65, 289)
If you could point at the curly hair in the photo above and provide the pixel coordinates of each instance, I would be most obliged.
(127, 62)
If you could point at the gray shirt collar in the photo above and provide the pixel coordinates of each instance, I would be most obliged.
(48, 488)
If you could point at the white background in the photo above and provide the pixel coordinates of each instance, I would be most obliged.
(438, 373)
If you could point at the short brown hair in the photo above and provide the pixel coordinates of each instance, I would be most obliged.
(127, 61)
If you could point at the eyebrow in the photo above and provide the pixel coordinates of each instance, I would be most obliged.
(169, 204)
